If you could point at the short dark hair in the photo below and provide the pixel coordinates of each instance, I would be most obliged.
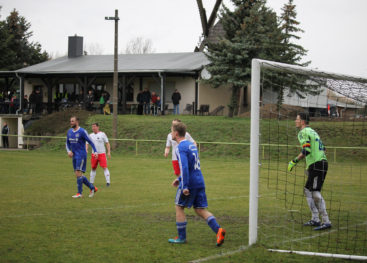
(76, 118)
(304, 116)
(180, 128)
(95, 123)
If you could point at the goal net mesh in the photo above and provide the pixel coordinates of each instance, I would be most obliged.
(337, 108)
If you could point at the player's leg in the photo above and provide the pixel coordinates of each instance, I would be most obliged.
(92, 175)
(79, 179)
(181, 201)
(93, 172)
(93, 189)
(82, 164)
(321, 171)
(200, 205)
(320, 203)
(181, 224)
(209, 218)
(103, 163)
(82, 167)
(107, 176)
(79, 182)
(315, 220)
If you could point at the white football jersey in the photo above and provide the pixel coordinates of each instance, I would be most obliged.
(99, 139)
(173, 144)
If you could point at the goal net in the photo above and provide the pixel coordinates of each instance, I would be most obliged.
(279, 205)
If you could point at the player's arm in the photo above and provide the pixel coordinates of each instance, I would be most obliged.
(89, 140)
(184, 166)
(168, 146)
(107, 143)
(306, 150)
(166, 151)
(86, 147)
(68, 147)
(108, 146)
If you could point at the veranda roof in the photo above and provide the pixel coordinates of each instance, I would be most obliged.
(137, 63)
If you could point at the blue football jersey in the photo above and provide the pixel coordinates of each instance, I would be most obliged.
(188, 159)
(76, 140)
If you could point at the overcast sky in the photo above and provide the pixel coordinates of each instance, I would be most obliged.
(335, 30)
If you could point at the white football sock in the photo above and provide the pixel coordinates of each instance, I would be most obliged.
(320, 204)
(92, 176)
(312, 205)
(107, 175)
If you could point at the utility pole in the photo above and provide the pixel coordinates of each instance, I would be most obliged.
(115, 79)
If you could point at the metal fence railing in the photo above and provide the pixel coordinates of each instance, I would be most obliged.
(207, 149)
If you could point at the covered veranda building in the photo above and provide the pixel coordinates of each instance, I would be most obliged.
(78, 73)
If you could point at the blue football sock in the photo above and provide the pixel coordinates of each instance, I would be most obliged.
(181, 229)
(212, 222)
(87, 183)
(79, 182)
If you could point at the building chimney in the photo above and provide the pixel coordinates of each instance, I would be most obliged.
(75, 46)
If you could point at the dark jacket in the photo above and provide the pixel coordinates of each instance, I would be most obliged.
(90, 98)
(25, 103)
(5, 130)
(146, 97)
(139, 98)
(38, 98)
(32, 98)
(176, 97)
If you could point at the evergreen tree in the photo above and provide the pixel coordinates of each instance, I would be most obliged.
(5, 52)
(251, 31)
(16, 50)
(292, 53)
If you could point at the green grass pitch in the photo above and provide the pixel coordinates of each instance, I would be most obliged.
(127, 222)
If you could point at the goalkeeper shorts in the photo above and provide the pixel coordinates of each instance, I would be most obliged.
(316, 175)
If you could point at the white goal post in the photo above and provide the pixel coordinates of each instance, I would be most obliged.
(258, 66)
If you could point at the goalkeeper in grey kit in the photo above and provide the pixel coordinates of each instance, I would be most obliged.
(314, 152)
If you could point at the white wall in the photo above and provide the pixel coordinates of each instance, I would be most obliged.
(15, 125)
(214, 97)
(317, 101)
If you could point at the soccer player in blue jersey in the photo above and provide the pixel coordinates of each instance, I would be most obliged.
(191, 187)
(75, 146)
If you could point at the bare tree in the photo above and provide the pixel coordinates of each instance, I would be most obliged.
(57, 54)
(139, 45)
(94, 49)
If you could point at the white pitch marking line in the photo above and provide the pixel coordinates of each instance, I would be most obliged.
(229, 253)
(243, 248)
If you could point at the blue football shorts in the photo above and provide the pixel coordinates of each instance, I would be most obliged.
(80, 163)
(196, 198)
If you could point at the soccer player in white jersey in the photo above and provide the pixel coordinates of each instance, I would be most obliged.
(172, 143)
(100, 139)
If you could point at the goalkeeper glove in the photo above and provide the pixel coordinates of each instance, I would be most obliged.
(292, 163)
